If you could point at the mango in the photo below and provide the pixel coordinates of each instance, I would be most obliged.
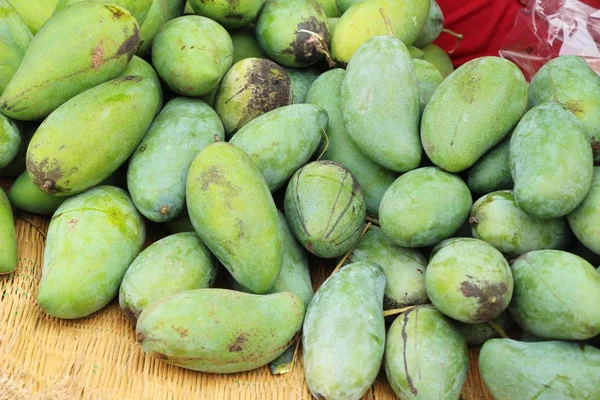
(140, 67)
(301, 80)
(86, 139)
(92, 239)
(380, 80)
(158, 168)
(325, 208)
(293, 33)
(496, 219)
(17, 165)
(14, 40)
(10, 141)
(230, 14)
(26, 196)
(188, 8)
(222, 185)
(180, 224)
(455, 128)
(428, 79)
(469, 280)
(372, 178)
(330, 8)
(477, 334)
(344, 5)
(343, 337)
(556, 295)
(492, 171)
(548, 370)
(137, 8)
(425, 356)
(35, 13)
(192, 54)
(332, 22)
(551, 162)
(416, 53)
(172, 265)
(245, 45)
(160, 12)
(424, 207)
(251, 87)
(439, 58)
(433, 26)
(283, 140)
(82, 47)
(584, 220)
(8, 237)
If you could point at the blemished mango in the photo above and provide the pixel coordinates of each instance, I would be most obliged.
(8, 237)
(92, 239)
(230, 14)
(35, 13)
(433, 26)
(111, 120)
(585, 219)
(83, 46)
(330, 8)
(10, 141)
(14, 40)
(222, 185)
(158, 168)
(343, 338)
(439, 58)
(492, 171)
(455, 128)
(140, 67)
(551, 162)
(428, 79)
(245, 45)
(137, 8)
(301, 79)
(160, 12)
(26, 196)
(218, 330)
(477, 334)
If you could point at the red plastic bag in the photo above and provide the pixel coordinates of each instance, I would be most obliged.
(546, 29)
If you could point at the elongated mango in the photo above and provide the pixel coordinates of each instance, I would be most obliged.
(230, 14)
(10, 141)
(301, 79)
(585, 219)
(27, 197)
(137, 8)
(8, 236)
(14, 40)
(140, 67)
(160, 12)
(428, 79)
(35, 13)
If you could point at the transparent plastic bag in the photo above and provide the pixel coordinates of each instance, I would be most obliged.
(546, 29)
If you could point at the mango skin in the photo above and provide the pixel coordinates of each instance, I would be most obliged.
(140, 67)
(8, 237)
(301, 80)
(556, 294)
(439, 58)
(10, 141)
(477, 334)
(330, 8)
(113, 116)
(343, 338)
(551, 162)
(26, 196)
(428, 79)
(137, 8)
(584, 220)
(35, 13)
(158, 168)
(424, 207)
(14, 40)
(433, 26)
(425, 356)
(172, 265)
(283, 140)
(245, 45)
(549, 370)
(492, 171)
(222, 185)
(17, 165)
(380, 79)
(344, 5)
(230, 14)
(160, 12)
(92, 239)
(325, 208)
(469, 280)
(82, 47)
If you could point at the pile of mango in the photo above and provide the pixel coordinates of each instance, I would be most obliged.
(460, 206)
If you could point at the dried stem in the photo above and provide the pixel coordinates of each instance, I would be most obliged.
(323, 48)
(373, 220)
(388, 24)
(326, 143)
(498, 329)
(458, 37)
(396, 311)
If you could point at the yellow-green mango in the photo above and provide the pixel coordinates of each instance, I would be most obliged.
(35, 13)
(301, 79)
(415, 52)
(330, 8)
(26, 196)
(332, 22)
(245, 45)
(92, 239)
(477, 334)
(230, 14)
(10, 141)
(140, 67)
(8, 236)
(439, 58)
(137, 8)
(585, 219)
(433, 26)
(86, 139)
(83, 46)
(344, 5)
(14, 40)
(17, 165)
(428, 79)
(218, 330)
(492, 171)
(160, 12)
(188, 8)
(223, 184)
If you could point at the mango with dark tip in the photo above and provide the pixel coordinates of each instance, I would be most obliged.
(92, 239)
(556, 295)
(156, 176)
(433, 26)
(137, 8)
(218, 330)
(477, 334)
(428, 79)
(230, 14)
(343, 338)
(14, 41)
(35, 13)
(160, 12)
(330, 8)
(83, 46)
(425, 356)
(110, 120)
(301, 80)
(8, 237)
(439, 58)
(26, 196)
(492, 171)
(10, 141)
(585, 219)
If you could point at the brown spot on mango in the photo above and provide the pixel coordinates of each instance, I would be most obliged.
(489, 295)
(238, 344)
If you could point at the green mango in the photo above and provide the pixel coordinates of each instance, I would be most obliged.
(549, 370)
(14, 40)
(330, 8)
(222, 185)
(496, 219)
(585, 219)
(456, 129)
(230, 14)
(293, 33)
(492, 171)
(192, 54)
(82, 47)
(218, 330)
(137, 8)
(556, 295)
(332, 22)
(188, 8)
(26, 196)
(433, 26)
(92, 239)
(172, 265)
(343, 338)
(35, 13)
(17, 165)
(245, 45)
(424, 207)
(380, 80)
(372, 178)
(283, 140)
(160, 12)
(428, 79)
(425, 356)
(10, 141)
(140, 67)
(551, 162)
(469, 280)
(114, 117)
(251, 87)
(325, 208)
(8, 237)
(439, 58)
(158, 168)
(477, 334)
(416, 53)
(404, 268)
(301, 79)
(344, 5)
(180, 224)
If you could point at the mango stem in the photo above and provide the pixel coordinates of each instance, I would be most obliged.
(458, 37)
(498, 329)
(326, 143)
(343, 260)
(373, 220)
(322, 48)
(396, 311)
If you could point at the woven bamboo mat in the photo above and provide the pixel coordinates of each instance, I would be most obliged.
(98, 358)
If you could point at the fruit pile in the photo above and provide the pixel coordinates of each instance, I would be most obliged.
(459, 206)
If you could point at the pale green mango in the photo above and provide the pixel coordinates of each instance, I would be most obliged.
(92, 239)
(245, 45)
(26, 196)
(556, 295)
(230, 14)
(301, 79)
(492, 171)
(218, 330)
(344, 5)
(416, 53)
(439, 58)
(428, 79)
(83, 46)
(380, 80)
(477, 334)
(551, 162)
(35, 13)
(110, 119)
(14, 40)
(10, 141)
(137, 8)
(283, 140)
(343, 338)
(17, 165)
(330, 8)
(585, 219)
(158, 168)
(222, 185)
(433, 26)
(160, 12)
(8, 237)
(139, 67)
